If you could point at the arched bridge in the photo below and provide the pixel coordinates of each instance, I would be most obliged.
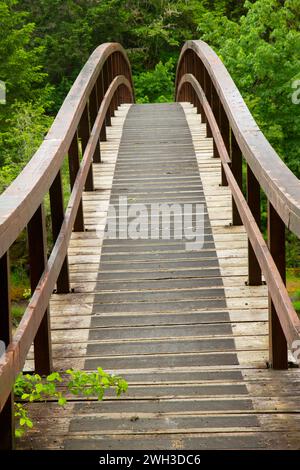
(204, 331)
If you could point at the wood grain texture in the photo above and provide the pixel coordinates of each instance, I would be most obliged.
(182, 327)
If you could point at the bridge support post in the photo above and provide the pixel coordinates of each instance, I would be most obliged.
(7, 428)
(207, 92)
(74, 164)
(100, 93)
(57, 217)
(199, 74)
(84, 135)
(94, 107)
(114, 73)
(223, 124)
(37, 244)
(106, 81)
(237, 170)
(110, 78)
(253, 199)
(276, 242)
(215, 110)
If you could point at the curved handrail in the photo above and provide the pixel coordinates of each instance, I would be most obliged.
(203, 80)
(104, 82)
(20, 200)
(288, 318)
(280, 185)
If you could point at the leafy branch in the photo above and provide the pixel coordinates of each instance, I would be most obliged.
(34, 388)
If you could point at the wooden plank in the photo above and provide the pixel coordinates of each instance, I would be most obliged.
(190, 338)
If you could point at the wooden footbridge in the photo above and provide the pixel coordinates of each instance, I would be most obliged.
(206, 338)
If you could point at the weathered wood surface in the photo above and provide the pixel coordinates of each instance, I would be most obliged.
(181, 326)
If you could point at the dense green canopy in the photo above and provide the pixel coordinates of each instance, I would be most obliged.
(44, 43)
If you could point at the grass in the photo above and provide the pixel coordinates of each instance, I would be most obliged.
(20, 292)
(18, 309)
(293, 287)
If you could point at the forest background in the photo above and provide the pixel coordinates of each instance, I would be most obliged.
(45, 43)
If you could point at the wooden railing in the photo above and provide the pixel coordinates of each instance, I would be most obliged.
(203, 80)
(103, 84)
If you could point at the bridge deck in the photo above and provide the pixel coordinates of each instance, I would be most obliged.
(181, 326)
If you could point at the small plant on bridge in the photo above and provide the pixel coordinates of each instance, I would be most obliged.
(34, 388)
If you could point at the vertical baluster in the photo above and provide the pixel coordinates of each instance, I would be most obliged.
(101, 92)
(215, 110)
(182, 73)
(195, 98)
(207, 87)
(197, 67)
(121, 95)
(112, 73)
(276, 242)
(74, 164)
(118, 72)
(105, 76)
(177, 92)
(7, 431)
(188, 61)
(57, 217)
(185, 91)
(224, 128)
(94, 108)
(191, 93)
(84, 135)
(199, 107)
(112, 76)
(123, 72)
(237, 170)
(198, 77)
(189, 68)
(253, 199)
(106, 81)
(37, 244)
(203, 86)
(118, 97)
(193, 71)
(207, 91)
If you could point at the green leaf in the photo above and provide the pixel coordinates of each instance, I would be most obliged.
(62, 401)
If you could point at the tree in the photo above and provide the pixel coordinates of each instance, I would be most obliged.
(21, 70)
(262, 52)
(20, 66)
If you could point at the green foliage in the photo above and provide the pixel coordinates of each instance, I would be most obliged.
(262, 52)
(22, 118)
(20, 65)
(33, 388)
(25, 130)
(94, 383)
(151, 31)
(156, 86)
(17, 311)
(296, 304)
